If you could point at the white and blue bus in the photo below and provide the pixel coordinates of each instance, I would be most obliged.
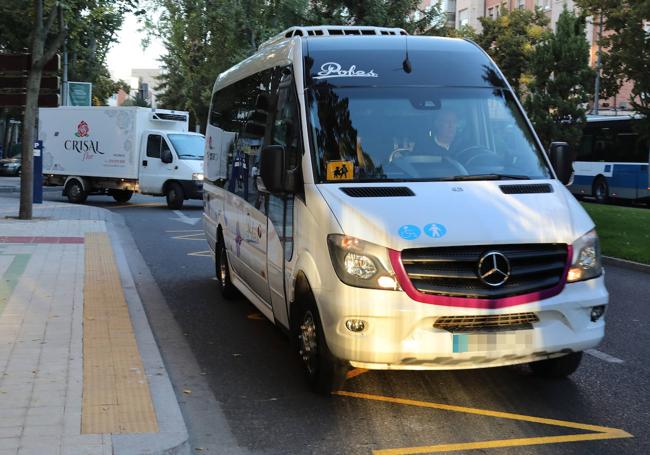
(612, 160)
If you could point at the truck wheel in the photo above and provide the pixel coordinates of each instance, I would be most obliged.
(600, 190)
(75, 192)
(121, 196)
(228, 290)
(324, 372)
(557, 368)
(175, 196)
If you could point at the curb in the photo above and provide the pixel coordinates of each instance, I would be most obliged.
(624, 263)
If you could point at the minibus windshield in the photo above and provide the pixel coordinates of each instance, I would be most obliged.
(420, 134)
(188, 146)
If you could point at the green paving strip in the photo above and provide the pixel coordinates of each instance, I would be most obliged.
(11, 276)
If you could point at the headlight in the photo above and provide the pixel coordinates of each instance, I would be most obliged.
(197, 176)
(586, 262)
(360, 263)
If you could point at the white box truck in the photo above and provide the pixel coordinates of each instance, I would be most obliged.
(121, 150)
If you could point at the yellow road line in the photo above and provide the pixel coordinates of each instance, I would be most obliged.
(256, 316)
(116, 397)
(500, 443)
(356, 372)
(144, 204)
(598, 432)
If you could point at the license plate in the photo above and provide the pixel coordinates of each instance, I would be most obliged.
(491, 341)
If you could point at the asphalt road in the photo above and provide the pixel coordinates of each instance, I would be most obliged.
(256, 378)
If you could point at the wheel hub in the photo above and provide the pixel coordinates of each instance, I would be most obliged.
(308, 341)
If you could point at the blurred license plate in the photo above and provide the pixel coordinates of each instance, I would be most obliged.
(491, 341)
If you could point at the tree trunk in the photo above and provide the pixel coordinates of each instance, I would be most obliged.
(29, 125)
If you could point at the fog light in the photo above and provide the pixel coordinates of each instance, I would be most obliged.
(387, 282)
(355, 325)
(597, 312)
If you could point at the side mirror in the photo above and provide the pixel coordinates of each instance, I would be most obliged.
(273, 170)
(561, 160)
(166, 156)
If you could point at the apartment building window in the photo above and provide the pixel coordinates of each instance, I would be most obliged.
(463, 17)
(521, 4)
(491, 12)
(544, 4)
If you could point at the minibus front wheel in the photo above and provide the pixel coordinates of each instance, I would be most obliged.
(558, 367)
(325, 373)
(228, 290)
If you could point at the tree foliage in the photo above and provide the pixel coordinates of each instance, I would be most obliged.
(626, 44)
(510, 39)
(561, 83)
(92, 27)
(206, 37)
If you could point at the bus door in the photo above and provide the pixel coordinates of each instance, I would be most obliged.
(285, 132)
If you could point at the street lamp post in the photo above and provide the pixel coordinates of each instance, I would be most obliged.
(598, 64)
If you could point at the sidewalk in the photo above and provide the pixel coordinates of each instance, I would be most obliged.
(80, 372)
(12, 185)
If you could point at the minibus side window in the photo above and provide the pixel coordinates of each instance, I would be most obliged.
(248, 120)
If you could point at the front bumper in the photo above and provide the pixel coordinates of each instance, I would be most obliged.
(400, 332)
(192, 189)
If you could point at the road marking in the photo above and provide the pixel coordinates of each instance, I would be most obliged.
(355, 372)
(186, 230)
(598, 432)
(206, 253)
(185, 219)
(603, 356)
(197, 236)
(144, 204)
(256, 316)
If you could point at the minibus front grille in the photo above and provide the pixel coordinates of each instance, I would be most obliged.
(454, 271)
(492, 322)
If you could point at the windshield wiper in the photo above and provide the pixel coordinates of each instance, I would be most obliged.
(459, 178)
(189, 155)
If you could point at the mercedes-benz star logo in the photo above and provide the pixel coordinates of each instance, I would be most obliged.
(493, 268)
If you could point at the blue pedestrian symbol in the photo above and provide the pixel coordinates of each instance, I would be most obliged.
(435, 230)
(409, 232)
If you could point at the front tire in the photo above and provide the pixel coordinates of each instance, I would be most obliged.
(175, 196)
(324, 372)
(557, 368)
(75, 192)
(222, 270)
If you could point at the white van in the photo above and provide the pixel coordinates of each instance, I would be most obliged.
(121, 150)
(384, 199)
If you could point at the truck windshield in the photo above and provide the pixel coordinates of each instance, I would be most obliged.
(188, 146)
(420, 134)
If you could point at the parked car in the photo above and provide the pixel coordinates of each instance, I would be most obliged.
(10, 166)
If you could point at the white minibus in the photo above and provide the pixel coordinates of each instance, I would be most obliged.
(384, 199)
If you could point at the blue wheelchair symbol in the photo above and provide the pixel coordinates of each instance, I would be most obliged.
(435, 230)
(409, 232)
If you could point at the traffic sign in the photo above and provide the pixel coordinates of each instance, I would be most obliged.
(20, 82)
(22, 63)
(80, 93)
(19, 100)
